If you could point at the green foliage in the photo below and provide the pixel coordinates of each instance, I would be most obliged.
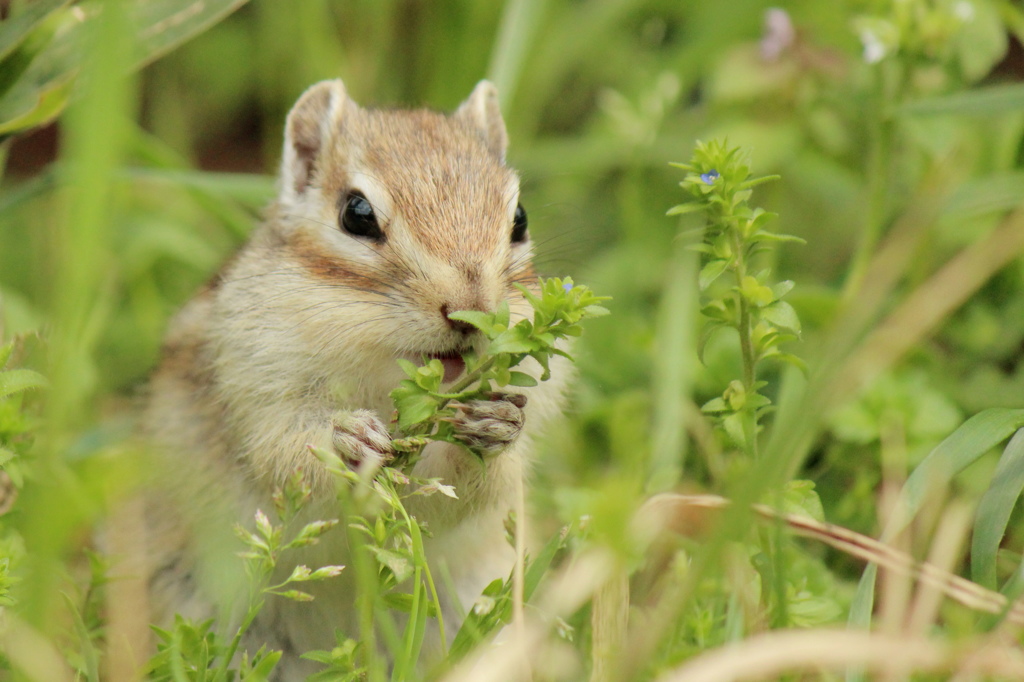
(198, 651)
(557, 312)
(900, 142)
(41, 48)
(718, 177)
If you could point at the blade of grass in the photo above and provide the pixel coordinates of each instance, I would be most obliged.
(985, 101)
(516, 30)
(163, 26)
(14, 30)
(990, 194)
(673, 371)
(994, 511)
(772, 654)
(963, 447)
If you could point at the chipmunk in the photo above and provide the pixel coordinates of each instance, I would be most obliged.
(387, 221)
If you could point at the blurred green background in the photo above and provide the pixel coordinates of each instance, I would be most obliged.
(598, 97)
(886, 119)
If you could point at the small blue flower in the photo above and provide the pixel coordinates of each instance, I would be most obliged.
(710, 177)
(567, 287)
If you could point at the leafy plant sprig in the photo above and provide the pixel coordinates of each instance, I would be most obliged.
(719, 180)
(197, 648)
(422, 408)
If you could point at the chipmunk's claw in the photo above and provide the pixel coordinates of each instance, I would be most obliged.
(361, 439)
(489, 426)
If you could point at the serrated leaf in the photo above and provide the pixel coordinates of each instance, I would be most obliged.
(18, 380)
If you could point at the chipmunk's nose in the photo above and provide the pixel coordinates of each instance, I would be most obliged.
(464, 328)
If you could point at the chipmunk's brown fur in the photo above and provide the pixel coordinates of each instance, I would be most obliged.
(295, 343)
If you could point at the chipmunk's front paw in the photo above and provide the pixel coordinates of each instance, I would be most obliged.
(489, 426)
(362, 439)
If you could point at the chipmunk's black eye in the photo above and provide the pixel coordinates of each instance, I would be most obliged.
(519, 225)
(357, 218)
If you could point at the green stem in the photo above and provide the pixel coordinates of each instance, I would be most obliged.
(229, 655)
(471, 378)
(744, 328)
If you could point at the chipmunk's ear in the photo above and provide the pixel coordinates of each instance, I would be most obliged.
(481, 110)
(310, 125)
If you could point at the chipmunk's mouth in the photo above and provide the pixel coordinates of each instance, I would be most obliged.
(453, 364)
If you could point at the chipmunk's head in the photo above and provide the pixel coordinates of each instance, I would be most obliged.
(408, 215)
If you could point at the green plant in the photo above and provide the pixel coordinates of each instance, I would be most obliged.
(422, 409)
(198, 651)
(718, 178)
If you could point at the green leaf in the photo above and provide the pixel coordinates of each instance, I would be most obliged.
(16, 29)
(511, 341)
(790, 359)
(402, 601)
(681, 209)
(960, 449)
(47, 104)
(17, 380)
(479, 623)
(5, 354)
(800, 497)
(521, 379)
(482, 321)
(399, 565)
(163, 26)
(754, 182)
(782, 288)
(411, 369)
(781, 314)
(294, 595)
(413, 404)
(994, 511)
(766, 236)
(984, 101)
(987, 194)
(714, 406)
(710, 272)
(261, 671)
